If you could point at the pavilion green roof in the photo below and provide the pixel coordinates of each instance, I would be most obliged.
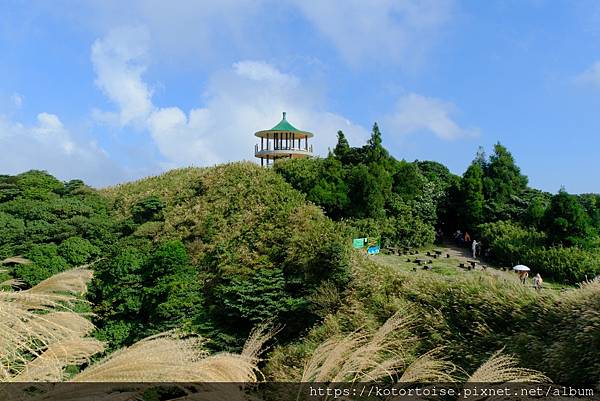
(284, 125)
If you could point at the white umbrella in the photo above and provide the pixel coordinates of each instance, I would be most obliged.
(521, 268)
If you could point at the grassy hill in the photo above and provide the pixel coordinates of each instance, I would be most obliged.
(466, 316)
(216, 251)
(241, 242)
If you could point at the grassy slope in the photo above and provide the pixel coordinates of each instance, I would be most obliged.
(471, 314)
(450, 266)
(239, 221)
(238, 202)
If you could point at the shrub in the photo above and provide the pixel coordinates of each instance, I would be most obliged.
(394, 231)
(148, 209)
(510, 244)
(46, 262)
(565, 264)
(77, 251)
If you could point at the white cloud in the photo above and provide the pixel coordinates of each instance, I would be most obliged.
(181, 30)
(416, 113)
(17, 100)
(48, 145)
(118, 61)
(51, 131)
(591, 76)
(201, 33)
(247, 97)
(379, 30)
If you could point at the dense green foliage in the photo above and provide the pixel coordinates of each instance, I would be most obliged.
(471, 316)
(402, 202)
(54, 224)
(374, 193)
(248, 248)
(515, 244)
(140, 290)
(217, 250)
(557, 235)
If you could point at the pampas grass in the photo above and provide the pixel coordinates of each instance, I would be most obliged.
(72, 281)
(163, 357)
(504, 368)
(429, 367)
(40, 334)
(361, 356)
(172, 357)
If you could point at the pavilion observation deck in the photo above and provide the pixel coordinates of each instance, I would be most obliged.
(282, 141)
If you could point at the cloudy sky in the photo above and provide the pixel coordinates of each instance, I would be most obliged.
(110, 91)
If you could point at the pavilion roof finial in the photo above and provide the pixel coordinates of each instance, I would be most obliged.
(284, 115)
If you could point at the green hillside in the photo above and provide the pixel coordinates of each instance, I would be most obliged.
(217, 251)
(466, 317)
(238, 246)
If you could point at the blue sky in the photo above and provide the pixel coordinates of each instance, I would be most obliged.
(110, 92)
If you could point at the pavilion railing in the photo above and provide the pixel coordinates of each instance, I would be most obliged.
(258, 148)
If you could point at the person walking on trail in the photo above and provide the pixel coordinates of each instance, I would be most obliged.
(537, 282)
(523, 276)
(474, 248)
(467, 237)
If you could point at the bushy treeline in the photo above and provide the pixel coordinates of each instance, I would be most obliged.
(375, 194)
(56, 225)
(217, 250)
(556, 234)
(404, 202)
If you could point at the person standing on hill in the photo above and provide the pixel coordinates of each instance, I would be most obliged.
(474, 248)
(523, 275)
(537, 282)
(458, 237)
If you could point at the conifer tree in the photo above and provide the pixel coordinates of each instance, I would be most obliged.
(472, 184)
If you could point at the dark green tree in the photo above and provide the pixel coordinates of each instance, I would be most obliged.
(172, 289)
(473, 199)
(502, 181)
(342, 148)
(591, 204)
(148, 209)
(566, 221)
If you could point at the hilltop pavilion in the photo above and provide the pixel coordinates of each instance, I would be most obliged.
(282, 141)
